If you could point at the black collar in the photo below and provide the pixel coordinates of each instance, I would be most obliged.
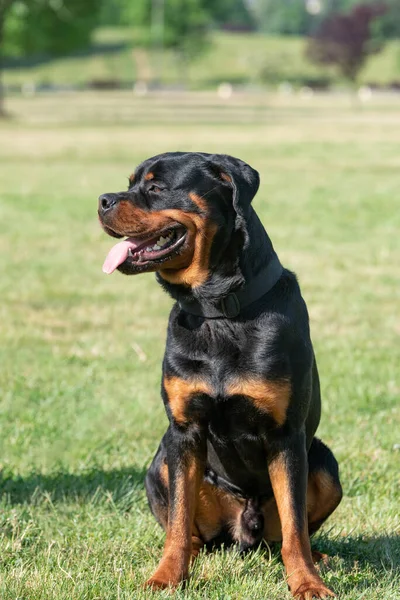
(231, 305)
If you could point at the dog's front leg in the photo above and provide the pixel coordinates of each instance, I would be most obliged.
(186, 451)
(288, 472)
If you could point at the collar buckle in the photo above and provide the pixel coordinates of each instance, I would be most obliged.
(230, 306)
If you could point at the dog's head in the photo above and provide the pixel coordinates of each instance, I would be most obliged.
(182, 211)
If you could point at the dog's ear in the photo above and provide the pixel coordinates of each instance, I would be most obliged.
(244, 182)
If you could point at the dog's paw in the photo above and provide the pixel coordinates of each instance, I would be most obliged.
(166, 577)
(157, 583)
(312, 589)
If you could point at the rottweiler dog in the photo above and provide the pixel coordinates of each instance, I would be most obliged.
(239, 462)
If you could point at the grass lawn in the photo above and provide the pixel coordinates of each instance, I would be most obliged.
(80, 411)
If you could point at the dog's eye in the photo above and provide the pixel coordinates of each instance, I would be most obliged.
(155, 188)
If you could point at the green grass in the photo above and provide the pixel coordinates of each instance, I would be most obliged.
(232, 57)
(80, 411)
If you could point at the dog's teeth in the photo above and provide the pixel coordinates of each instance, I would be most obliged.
(149, 248)
(163, 240)
(130, 252)
(156, 247)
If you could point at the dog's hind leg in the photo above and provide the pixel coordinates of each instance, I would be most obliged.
(156, 484)
(324, 491)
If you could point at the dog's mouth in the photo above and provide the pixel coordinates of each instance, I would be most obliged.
(137, 253)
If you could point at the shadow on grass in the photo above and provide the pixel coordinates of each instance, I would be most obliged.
(363, 548)
(363, 560)
(356, 564)
(118, 485)
(381, 550)
(357, 561)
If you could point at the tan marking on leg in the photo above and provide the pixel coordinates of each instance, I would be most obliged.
(217, 508)
(268, 396)
(303, 579)
(319, 507)
(197, 541)
(164, 474)
(272, 523)
(174, 565)
(159, 505)
(180, 391)
(323, 496)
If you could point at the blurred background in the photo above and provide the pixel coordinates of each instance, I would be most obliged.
(305, 91)
(177, 46)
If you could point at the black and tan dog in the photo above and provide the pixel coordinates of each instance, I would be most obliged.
(239, 462)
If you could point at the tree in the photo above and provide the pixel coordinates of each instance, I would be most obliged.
(387, 27)
(5, 7)
(45, 26)
(185, 23)
(214, 12)
(300, 17)
(287, 17)
(346, 40)
(231, 13)
(179, 24)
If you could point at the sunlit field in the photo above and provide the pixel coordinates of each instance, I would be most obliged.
(239, 58)
(81, 414)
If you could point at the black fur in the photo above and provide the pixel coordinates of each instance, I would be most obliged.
(233, 440)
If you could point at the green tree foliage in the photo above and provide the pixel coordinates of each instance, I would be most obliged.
(285, 17)
(48, 26)
(388, 25)
(302, 17)
(220, 12)
(230, 13)
(179, 24)
(185, 23)
(44, 26)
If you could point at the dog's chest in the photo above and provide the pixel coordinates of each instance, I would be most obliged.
(228, 394)
(232, 382)
(236, 403)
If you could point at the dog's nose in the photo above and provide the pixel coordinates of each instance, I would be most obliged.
(107, 201)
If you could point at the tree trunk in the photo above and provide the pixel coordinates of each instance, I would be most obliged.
(3, 113)
(5, 5)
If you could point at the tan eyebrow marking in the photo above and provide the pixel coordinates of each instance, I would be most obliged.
(226, 177)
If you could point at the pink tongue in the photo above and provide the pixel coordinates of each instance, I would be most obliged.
(118, 254)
